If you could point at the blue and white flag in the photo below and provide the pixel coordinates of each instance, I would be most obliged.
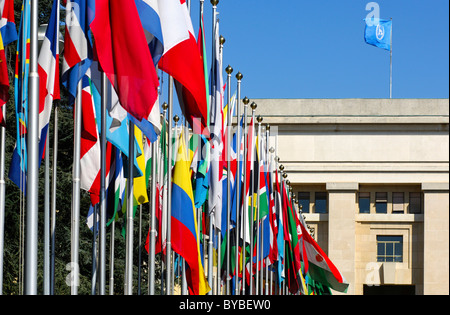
(378, 33)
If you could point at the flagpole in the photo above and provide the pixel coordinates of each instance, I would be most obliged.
(390, 65)
(102, 234)
(271, 191)
(46, 272)
(251, 220)
(75, 225)
(169, 192)
(53, 203)
(153, 222)
(258, 227)
(128, 284)
(245, 199)
(229, 71)
(31, 248)
(239, 77)
(2, 198)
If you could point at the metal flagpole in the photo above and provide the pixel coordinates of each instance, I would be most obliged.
(390, 65)
(251, 220)
(76, 194)
(211, 217)
(165, 183)
(128, 284)
(111, 259)
(239, 77)
(53, 203)
(153, 222)
(2, 198)
(31, 249)
(169, 192)
(228, 146)
(46, 272)
(102, 232)
(245, 199)
(219, 232)
(258, 233)
(268, 217)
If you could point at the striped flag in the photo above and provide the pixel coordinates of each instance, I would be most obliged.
(77, 45)
(18, 167)
(131, 71)
(48, 69)
(181, 59)
(185, 236)
(4, 81)
(7, 24)
(149, 13)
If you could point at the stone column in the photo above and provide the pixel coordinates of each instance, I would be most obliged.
(341, 229)
(436, 238)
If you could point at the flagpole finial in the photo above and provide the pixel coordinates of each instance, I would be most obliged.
(229, 70)
(246, 100)
(222, 40)
(267, 127)
(253, 106)
(165, 106)
(285, 175)
(239, 76)
(259, 119)
(272, 150)
(176, 118)
(214, 2)
(281, 167)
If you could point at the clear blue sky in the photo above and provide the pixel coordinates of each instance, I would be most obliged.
(316, 49)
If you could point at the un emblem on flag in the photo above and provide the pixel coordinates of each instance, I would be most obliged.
(380, 32)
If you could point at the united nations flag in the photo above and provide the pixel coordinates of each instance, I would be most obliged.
(378, 33)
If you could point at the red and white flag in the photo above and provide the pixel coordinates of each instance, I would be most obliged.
(181, 59)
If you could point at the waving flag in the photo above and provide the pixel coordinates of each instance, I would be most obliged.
(77, 45)
(320, 267)
(216, 129)
(181, 59)
(48, 69)
(18, 168)
(185, 237)
(4, 81)
(149, 14)
(89, 142)
(124, 56)
(7, 25)
(378, 33)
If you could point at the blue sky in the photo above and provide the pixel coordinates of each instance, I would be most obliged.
(316, 49)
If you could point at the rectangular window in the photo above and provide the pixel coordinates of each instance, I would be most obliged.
(364, 202)
(389, 248)
(398, 202)
(415, 202)
(321, 202)
(381, 202)
(303, 201)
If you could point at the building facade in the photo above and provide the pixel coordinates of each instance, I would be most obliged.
(372, 180)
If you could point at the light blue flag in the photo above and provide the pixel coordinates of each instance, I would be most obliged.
(378, 33)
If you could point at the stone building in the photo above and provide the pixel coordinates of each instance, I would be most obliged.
(372, 178)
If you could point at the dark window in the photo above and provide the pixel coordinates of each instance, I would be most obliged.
(381, 202)
(364, 202)
(321, 202)
(389, 248)
(303, 201)
(415, 202)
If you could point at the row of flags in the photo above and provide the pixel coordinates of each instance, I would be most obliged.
(127, 41)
